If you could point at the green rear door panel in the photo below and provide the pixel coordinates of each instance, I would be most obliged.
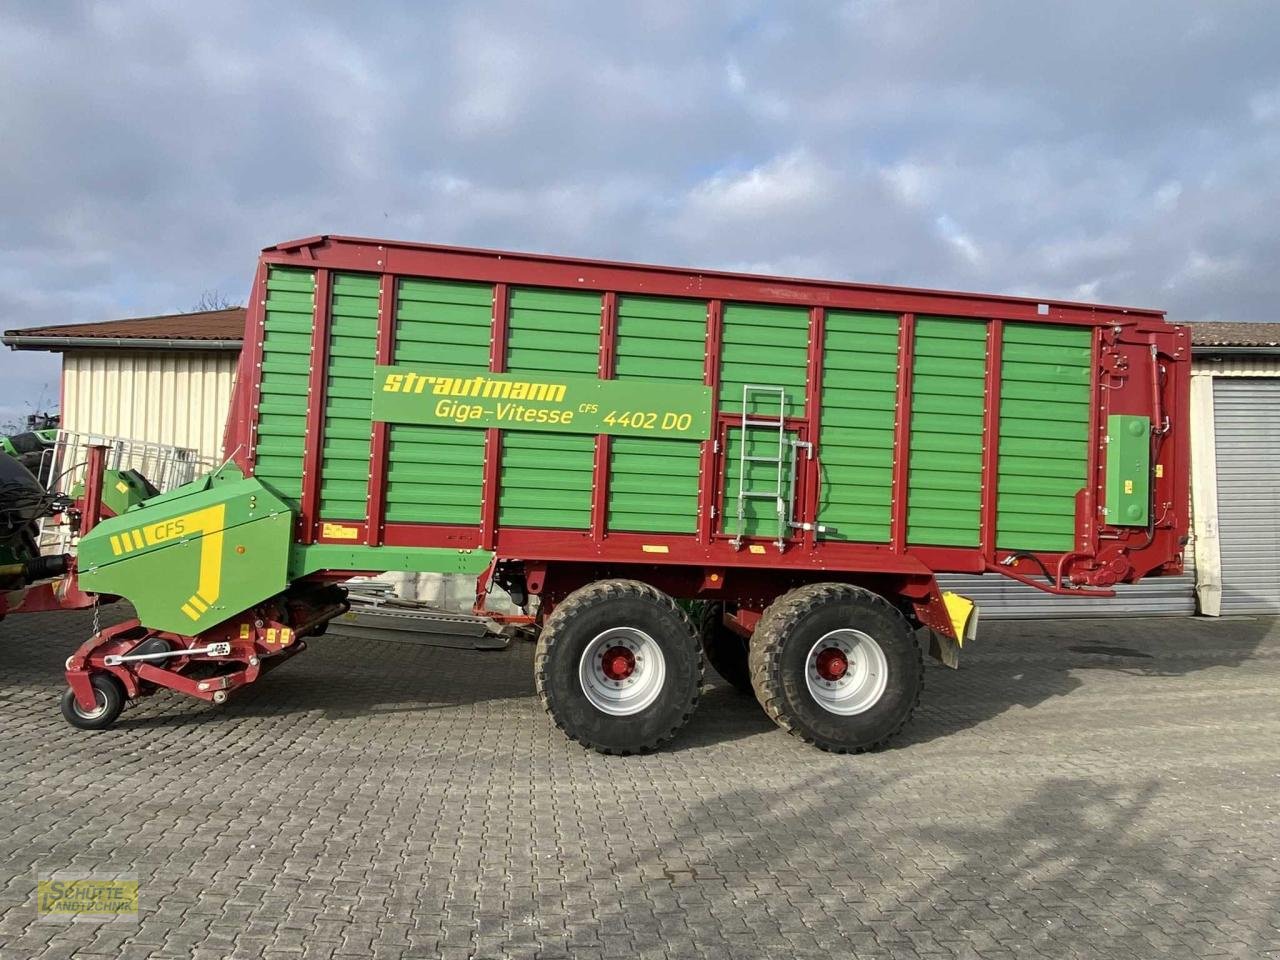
(286, 361)
(855, 444)
(759, 514)
(435, 474)
(653, 482)
(944, 501)
(546, 477)
(1045, 377)
(763, 346)
(353, 342)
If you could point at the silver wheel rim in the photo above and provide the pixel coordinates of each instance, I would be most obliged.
(633, 692)
(860, 686)
(100, 699)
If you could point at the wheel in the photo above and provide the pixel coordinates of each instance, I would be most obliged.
(725, 650)
(837, 666)
(618, 667)
(110, 697)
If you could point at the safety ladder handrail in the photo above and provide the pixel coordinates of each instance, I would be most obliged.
(779, 461)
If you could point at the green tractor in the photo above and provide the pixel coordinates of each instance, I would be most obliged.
(24, 502)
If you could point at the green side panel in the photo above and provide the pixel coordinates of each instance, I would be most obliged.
(653, 483)
(353, 345)
(435, 474)
(546, 477)
(764, 346)
(855, 444)
(1128, 470)
(286, 360)
(944, 484)
(195, 557)
(760, 514)
(1044, 422)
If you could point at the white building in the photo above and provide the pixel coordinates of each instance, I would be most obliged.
(159, 379)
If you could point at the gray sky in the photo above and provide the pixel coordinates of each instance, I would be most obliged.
(1127, 152)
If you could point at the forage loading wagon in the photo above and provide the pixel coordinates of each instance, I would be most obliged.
(673, 461)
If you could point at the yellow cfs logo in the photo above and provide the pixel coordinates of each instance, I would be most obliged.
(206, 524)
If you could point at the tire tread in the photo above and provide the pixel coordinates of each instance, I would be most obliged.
(782, 616)
(584, 598)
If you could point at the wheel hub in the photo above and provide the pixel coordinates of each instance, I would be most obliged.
(832, 664)
(622, 671)
(100, 706)
(618, 663)
(846, 672)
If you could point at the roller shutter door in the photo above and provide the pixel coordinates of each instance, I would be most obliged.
(1246, 415)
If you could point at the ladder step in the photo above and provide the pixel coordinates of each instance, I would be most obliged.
(764, 423)
(764, 459)
(760, 494)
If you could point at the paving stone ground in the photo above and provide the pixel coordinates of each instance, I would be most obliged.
(1078, 789)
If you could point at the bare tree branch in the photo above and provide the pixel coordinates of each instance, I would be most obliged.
(214, 300)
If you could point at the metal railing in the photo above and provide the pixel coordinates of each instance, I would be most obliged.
(62, 470)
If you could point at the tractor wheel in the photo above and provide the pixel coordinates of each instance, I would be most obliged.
(618, 667)
(109, 694)
(725, 650)
(837, 666)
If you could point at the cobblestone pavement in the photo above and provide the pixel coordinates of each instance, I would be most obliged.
(1086, 789)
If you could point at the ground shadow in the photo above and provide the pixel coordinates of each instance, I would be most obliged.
(1012, 664)
(1024, 663)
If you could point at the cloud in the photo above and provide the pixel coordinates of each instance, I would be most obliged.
(1124, 152)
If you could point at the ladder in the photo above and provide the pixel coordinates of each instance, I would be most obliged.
(780, 493)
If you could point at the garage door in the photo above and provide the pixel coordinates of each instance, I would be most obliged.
(1246, 419)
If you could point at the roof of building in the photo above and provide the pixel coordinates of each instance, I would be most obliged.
(208, 329)
(1210, 333)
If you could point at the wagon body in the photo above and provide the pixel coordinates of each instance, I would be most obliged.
(793, 460)
(383, 384)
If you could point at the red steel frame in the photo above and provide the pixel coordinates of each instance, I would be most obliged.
(317, 392)
(991, 440)
(808, 479)
(600, 466)
(710, 447)
(380, 431)
(493, 436)
(902, 432)
(1124, 552)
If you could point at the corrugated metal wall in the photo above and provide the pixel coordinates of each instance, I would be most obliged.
(1245, 413)
(1000, 598)
(1239, 365)
(171, 397)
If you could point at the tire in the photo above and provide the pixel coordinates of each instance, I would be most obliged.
(725, 650)
(589, 637)
(111, 700)
(797, 651)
